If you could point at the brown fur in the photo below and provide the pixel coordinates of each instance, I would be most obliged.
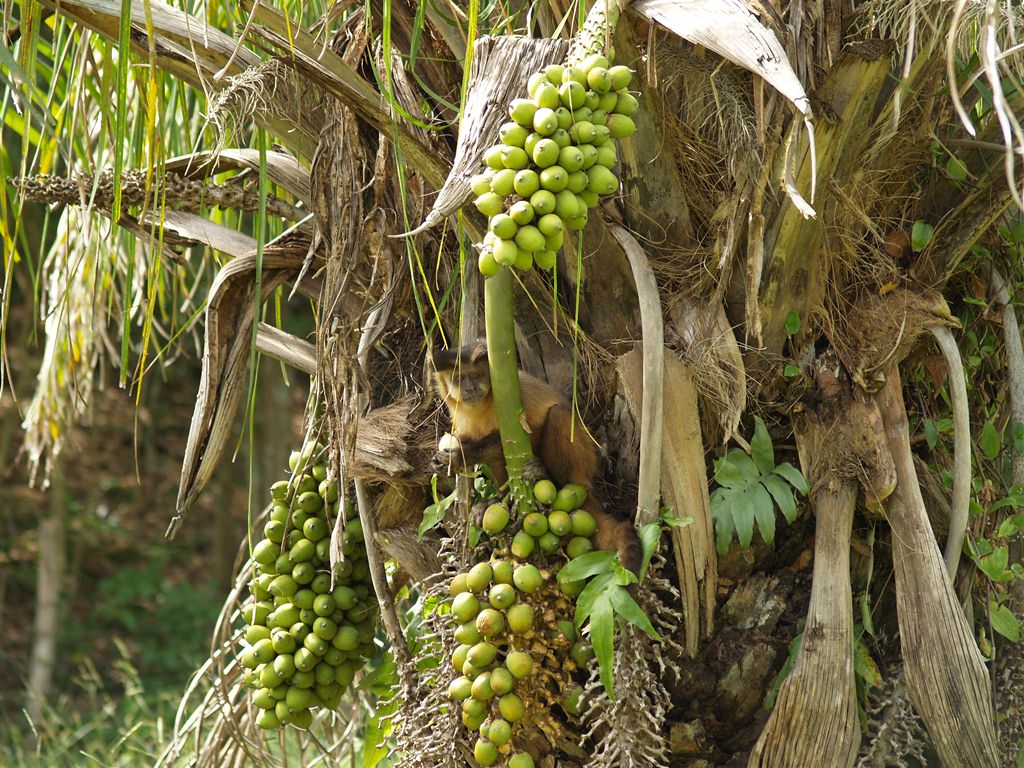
(563, 447)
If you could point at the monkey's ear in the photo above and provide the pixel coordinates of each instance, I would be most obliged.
(445, 359)
(478, 351)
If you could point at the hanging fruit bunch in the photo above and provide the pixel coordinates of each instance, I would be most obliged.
(513, 622)
(555, 160)
(305, 640)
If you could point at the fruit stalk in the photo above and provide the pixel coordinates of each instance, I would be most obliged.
(499, 322)
(597, 27)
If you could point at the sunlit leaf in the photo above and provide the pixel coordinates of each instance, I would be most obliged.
(1004, 622)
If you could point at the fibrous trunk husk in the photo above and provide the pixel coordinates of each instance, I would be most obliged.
(684, 488)
(946, 675)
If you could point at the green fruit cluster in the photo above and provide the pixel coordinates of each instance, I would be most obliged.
(554, 162)
(509, 613)
(306, 640)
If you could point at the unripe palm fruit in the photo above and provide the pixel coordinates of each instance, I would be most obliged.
(502, 570)
(621, 77)
(485, 752)
(564, 117)
(496, 515)
(527, 578)
(521, 212)
(545, 97)
(545, 121)
(572, 94)
(460, 655)
(503, 182)
(607, 155)
(626, 104)
(590, 199)
(457, 587)
(531, 142)
(559, 523)
(571, 159)
(487, 264)
(502, 681)
(583, 523)
(549, 543)
(465, 607)
(566, 206)
(302, 719)
(490, 622)
(489, 204)
(545, 153)
(589, 155)
(561, 138)
(534, 82)
(267, 720)
(505, 252)
(548, 224)
(478, 578)
(553, 72)
(500, 732)
(492, 157)
(504, 227)
(520, 760)
(520, 664)
(522, 111)
(511, 707)
(522, 545)
(578, 181)
(530, 239)
(554, 242)
(526, 182)
(578, 545)
(553, 179)
(582, 132)
(581, 653)
(520, 618)
(467, 633)
(481, 654)
(599, 79)
(573, 700)
(514, 158)
(620, 126)
(535, 524)
(481, 689)
(545, 259)
(543, 202)
(501, 596)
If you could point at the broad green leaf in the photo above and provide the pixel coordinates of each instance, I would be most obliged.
(723, 527)
(589, 596)
(736, 470)
(742, 507)
(764, 511)
(994, 565)
(920, 235)
(1004, 622)
(931, 434)
(792, 322)
(792, 476)
(602, 638)
(761, 450)
(434, 514)
(587, 565)
(990, 440)
(630, 610)
(782, 492)
(1010, 526)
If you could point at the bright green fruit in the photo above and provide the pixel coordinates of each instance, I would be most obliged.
(460, 688)
(511, 707)
(535, 524)
(492, 157)
(620, 126)
(256, 613)
(481, 654)
(321, 584)
(545, 97)
(549, 224)
(458, 586)
(554, 179)
(279, 490)
(529, 238)
(472, 722)
(284, 665)
(310, 502)
(520, 760)
(502, 570)
(303, 680)
(526, 182)
(545, 121)
(490, 622)
(564, 118)
(344, 597)
(505, 252)
(328, 490)
(325, 628)
(553, 72)
(503, 226)
(581, 115)
(545, 259)
(346, 638)
(607, 156)
(578, 545)
(621, 77)
(465, 607)
(470, 671)
(543, 202)
(602, 180)
(594, 61)
(270, 677)
(521, 110)
(582, 132)
(521, 212)
(572, 94)
(303, 573)
(274, 531)
(589, 155)
(496, 516)
(520, 664)
(524, 260)
(626, 104)
(315, 528)
(501, 596)
(323, 605)
(485, 752)
(554, 242)
(599, 79)
(590, 199)
(545, 153)
(316, 645)
(460, 655)
(481, 689)
(263, 699)
(479, 577)
(263, 651)
(574, 74)
(561, 138)
(573, 700)
(279, 513)
(282, 641)
(486, 263)
(522, 545)
(583, 523)
(514, 158)
(302, 718)
(344, 674)
(559, 523)
(480, 183)
(534, 83)
(286, 614)
(577, 181)
(503, 182)
(520, 618)
(593, 99)
(489, 204)
(265, 552)
(571, 159)
(527, 578)
(512, 134)
(500, 732)
(467, 633)
(256, 633)
(530, 145)
(549, 543)
(567, 206)
(267, 720)
(565, 501)
(581, 653)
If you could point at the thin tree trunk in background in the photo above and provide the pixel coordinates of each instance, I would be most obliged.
(48, 588)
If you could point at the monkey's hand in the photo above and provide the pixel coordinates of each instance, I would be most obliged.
(534, 471)
(448, 459)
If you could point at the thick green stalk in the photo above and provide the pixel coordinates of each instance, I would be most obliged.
(595, 33)
(499, 321)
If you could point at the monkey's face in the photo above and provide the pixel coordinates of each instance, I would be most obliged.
(470, 387)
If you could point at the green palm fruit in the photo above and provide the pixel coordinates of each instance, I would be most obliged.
(522, 110)
(620, 126)
(545, 259)
(503, 182)
(501, 596)
(545, 97)
(502, 570)
(460, 688)
(485, 752)
(500, 732)
(511, 707)
(522, 545)
(571, 159)
(529, 238)
(487, 264)
(621, 77)
(505, 252)
(599, 79)
(553, 179)
(520, 664)
(526, 182)
(488, 204)
(481, 689)
(524, 260)
(496, 516)
(465, 607)
(543, 202)
(480, 183)
(527, 578)
(572, 94)
(561, 138)
(478, 577)
(490, 622)
(503, 226)
(578, 545)
(481, 654)
(520, 618)
(545, 121)
(521, 212)
(559, 523)
(545, 152)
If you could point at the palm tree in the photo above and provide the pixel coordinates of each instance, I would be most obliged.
(814, 193)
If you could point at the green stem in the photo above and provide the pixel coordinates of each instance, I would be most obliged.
(499, 321)
(594, 36)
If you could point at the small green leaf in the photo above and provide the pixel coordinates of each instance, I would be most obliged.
(920, 235)
(474, 534)
(994, 565)
(434, 514)
(991, 443)
(588, 598)
(649, 536)
(931, 434)
(764, 512)
(790, 371)
(587, 565)
(864, 666)
(630, 610)
(792, 476)
(865, 613)
(782, 492)
(1010, 526)
(761, 450)
(743, 517)
(1003, 621)
(602, 638)
(792, 322)
(956, 169)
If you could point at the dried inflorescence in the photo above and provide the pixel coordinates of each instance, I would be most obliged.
(894, 731)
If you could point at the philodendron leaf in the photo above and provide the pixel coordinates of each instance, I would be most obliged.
(761, 450)
(602, 638)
